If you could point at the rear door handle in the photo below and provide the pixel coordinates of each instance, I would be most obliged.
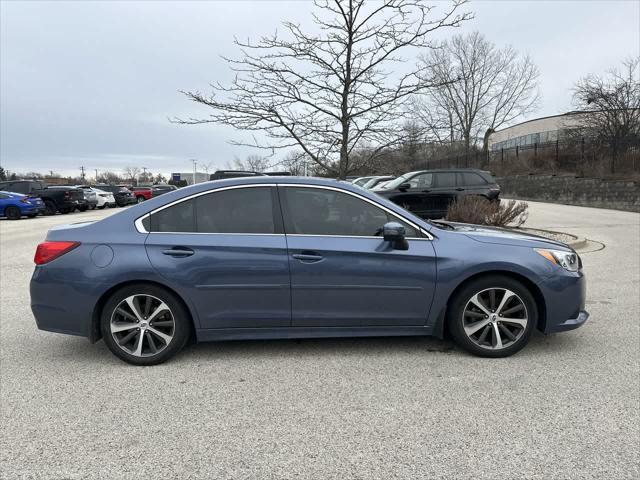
(307, 257)
(460, 189)
(178, 252)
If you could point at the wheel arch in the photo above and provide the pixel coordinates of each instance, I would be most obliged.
(440, 326)
(94, 328)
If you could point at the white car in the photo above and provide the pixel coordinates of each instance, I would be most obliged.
(105, 199)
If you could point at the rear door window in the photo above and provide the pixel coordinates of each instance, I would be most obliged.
(241, 211)
(176, 218)
(445, 179)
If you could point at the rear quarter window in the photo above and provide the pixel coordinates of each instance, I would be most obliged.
(471, 179)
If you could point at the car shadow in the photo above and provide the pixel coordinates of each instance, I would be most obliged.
(69, 349)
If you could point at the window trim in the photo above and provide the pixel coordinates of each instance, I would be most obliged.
(140, 227)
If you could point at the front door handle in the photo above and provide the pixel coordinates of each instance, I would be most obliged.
(178, 252)
(307, 257)
(460, 189)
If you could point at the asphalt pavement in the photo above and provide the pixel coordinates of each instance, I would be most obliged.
(567, 406)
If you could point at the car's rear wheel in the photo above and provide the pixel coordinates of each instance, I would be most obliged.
(140, 199)
(145, 324)
(12, 213)
(492, 316)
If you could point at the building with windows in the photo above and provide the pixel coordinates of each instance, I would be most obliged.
(188, 176)
(536, 131)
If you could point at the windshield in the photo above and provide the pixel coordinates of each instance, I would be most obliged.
(395, 183)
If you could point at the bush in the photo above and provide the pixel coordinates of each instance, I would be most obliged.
(480, 211)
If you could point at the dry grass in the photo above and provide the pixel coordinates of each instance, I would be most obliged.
(480, 211)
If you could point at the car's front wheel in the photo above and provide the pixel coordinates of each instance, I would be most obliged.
(492, 316)
(145, 324)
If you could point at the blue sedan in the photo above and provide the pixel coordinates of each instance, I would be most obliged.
(16, 205)
(269, 257)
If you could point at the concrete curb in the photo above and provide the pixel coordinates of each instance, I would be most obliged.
(576, 243)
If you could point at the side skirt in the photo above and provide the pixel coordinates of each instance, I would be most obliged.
(217, 334)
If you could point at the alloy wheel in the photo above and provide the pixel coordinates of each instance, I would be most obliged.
(495, 318)
(142, 325)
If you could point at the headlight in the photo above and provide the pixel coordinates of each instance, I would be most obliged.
(567, 260)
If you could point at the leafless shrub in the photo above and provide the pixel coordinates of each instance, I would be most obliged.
(480, 211)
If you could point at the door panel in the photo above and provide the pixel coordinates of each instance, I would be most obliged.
(360, 282)
(342, 273)
(228, 254)
(233, 280)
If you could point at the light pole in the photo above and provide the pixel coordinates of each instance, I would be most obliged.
(195, 162)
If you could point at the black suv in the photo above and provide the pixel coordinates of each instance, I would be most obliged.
(222, 174)
(428, 193)
(56, 199)
(121, 194)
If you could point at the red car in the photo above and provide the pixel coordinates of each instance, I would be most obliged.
(141, 193)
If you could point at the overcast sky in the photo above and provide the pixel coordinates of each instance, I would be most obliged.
(92, 83)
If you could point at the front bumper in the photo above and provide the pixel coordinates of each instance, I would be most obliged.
(565, 297)
(569, 324)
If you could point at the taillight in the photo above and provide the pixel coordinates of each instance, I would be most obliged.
(48, 251)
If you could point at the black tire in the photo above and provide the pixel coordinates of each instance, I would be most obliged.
(32, 215)
(139, 199)
(102, 207)
(181, 329)
(12, 213)
(50, 207)
(64, 211)
(482, 285)
(84, 208)
(92, 207)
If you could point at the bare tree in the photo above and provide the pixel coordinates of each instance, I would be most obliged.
(332, 92)
(483, 87)
(252, 163)
(611, 104)
(206, 166)
(131, 173)
(109, 177)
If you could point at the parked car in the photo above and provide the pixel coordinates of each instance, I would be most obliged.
(161, 189)
(428, 193)
(360, 181)
(103, 199)
(223, 174)
(122, 195)
(63, 200)
(244, 258)
(16, 205)
(142, 193)
(375, 181)
(90, 197)
(80, 201)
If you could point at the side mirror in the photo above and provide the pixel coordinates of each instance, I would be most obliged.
(404, 187)
(394, 233)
